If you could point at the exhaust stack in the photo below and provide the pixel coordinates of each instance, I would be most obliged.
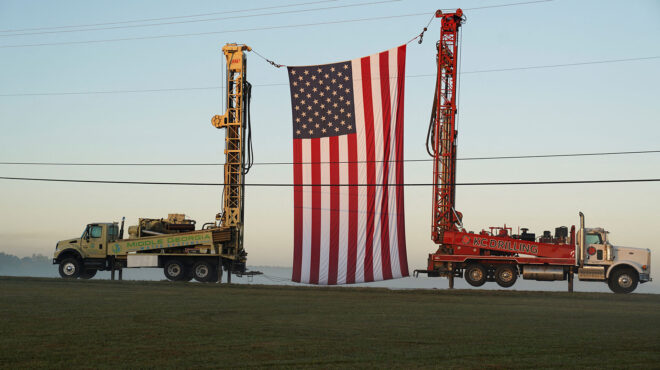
(581, 239)
(121, 231)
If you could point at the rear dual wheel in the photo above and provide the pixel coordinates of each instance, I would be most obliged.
(475, 274)
(202, 271)
(205, 272)
(506, 275)
(175, 270)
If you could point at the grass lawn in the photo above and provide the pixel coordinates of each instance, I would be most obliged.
(96, 323)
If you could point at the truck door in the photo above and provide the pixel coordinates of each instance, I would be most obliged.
(94, 241)
(595, 249)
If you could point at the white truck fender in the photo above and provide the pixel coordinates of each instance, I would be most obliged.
(632, 264)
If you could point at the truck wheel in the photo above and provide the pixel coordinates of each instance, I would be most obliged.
(70, 268)
(623, 280)
(175, 270)
(204, 272)
(475, 274)
(610, 284)
(88, 274)
(506, 275)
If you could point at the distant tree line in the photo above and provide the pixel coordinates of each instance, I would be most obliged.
(36, 265)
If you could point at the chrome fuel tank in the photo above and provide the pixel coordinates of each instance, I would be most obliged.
(545, 273)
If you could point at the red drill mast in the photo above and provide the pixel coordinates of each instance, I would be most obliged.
(443, 129)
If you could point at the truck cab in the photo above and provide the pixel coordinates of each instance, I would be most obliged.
(621, 267)
(84, 256)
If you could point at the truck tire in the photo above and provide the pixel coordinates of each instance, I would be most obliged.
(506, 275)
(475, 274)
(70, 268)
(175, 270)
(204, 272)
(623, 280)
(88, 274)
(609, 284)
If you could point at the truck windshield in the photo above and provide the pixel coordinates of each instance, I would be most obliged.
(594, 239)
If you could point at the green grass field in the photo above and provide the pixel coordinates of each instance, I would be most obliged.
(57, 323)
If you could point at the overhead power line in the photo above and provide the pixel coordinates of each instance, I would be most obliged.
(202, 20)
(214, 32)
(258, 28)
(211, 32)
(117, 91)
(562, 65)
(223, 12)
(604, 61)
(292, 163)
(567, 182)
(115, 25)
(500, 5)
(559, 155)
(166, 18)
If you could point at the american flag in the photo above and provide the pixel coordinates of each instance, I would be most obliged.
(349, 222)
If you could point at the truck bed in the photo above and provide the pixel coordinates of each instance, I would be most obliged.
(207, 237)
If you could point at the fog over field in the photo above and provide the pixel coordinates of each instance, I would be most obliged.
(41, 266)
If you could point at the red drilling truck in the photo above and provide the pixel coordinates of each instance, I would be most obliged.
(499, 255)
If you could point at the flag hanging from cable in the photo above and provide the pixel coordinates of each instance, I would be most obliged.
(349, 224)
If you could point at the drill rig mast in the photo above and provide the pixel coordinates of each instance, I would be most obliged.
(238, 153)
(441, 140)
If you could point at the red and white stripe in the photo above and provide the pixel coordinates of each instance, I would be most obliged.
(351, 234)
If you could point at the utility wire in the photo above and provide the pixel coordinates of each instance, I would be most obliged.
(222, 12)
(166, 18)
(116, 91)
(286, 84)
(332, 185)
(501, 5)
(60, 30)
(255, 28)
(562, 65)
(292, 163)
(214, 32)
(204, 20)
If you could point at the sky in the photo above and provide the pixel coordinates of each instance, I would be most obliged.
(59, 103)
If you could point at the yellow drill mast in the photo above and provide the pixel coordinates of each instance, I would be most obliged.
(237, 154)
